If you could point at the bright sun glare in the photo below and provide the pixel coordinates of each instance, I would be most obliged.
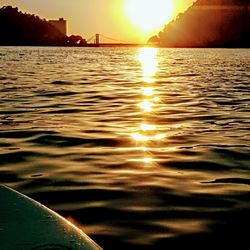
(149, 15)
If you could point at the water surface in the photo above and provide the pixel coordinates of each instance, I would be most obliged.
(142, 148)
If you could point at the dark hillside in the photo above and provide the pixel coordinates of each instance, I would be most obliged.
(17, 28)
(209, 23)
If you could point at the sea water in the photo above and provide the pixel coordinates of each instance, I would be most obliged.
(142, 148)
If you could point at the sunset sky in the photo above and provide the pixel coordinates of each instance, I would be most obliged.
(126, 20)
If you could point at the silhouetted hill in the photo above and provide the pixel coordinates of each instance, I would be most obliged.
(209, 23)
(17, 28)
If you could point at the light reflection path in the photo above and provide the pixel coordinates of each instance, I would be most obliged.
(147, 132)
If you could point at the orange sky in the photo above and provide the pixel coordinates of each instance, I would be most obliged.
(108, 17)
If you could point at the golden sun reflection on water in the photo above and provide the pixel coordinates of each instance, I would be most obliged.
(141, 137)
(146, 105)
(148, 91)
(148, 160)
(148, 59)
(148, 127)
(147, 131)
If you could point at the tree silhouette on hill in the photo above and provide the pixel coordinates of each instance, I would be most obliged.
(209, 23)
(27, 29)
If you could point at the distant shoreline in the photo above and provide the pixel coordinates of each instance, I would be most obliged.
(78, 46)
(121, 45)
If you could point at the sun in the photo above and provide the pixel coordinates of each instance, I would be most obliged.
(149, 15)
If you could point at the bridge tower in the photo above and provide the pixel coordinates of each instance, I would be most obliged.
(97, 39)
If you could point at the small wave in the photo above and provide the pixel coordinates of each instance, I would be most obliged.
(8, 177)
(56, 93)
(24, 134)
(231, 153)
(63, 111)
(62, 83)
(67, 141)
(83, 195)
(19, 157)
(11, 78)
(197, 165)
(241, 181)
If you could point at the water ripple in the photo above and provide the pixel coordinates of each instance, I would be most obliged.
(142, 148)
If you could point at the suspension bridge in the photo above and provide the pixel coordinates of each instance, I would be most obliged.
(96, 41)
